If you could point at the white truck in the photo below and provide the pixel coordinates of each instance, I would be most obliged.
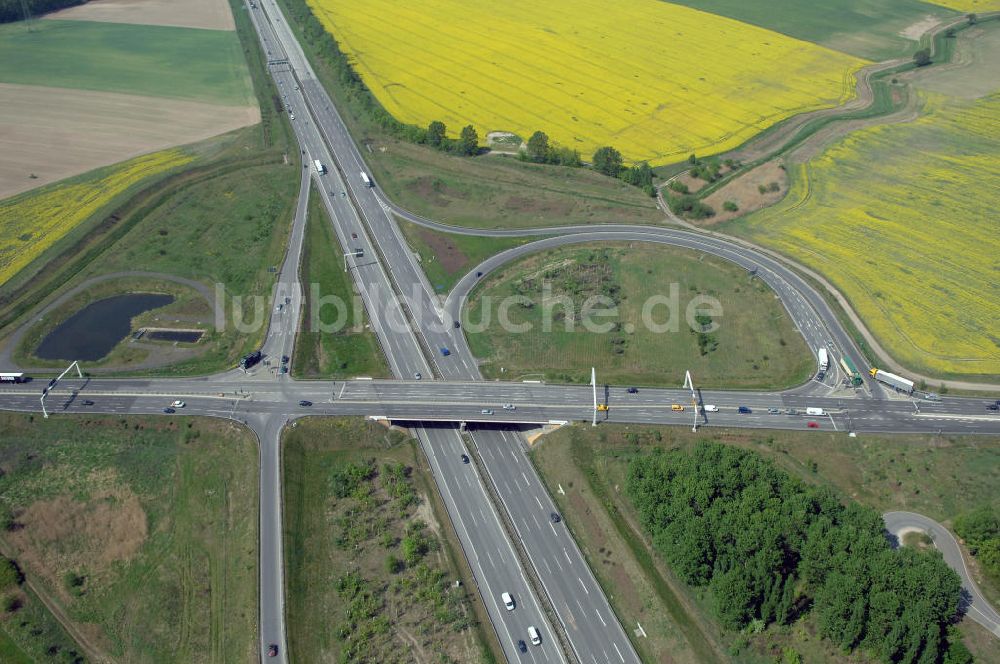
(817, 412)
(824, 359)
(366, 179)
(320, 168)
(892, 380)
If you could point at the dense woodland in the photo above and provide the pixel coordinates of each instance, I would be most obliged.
(13, 10)
(772, 549)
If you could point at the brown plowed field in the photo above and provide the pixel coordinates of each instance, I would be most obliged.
(55, 133)
(210, 14)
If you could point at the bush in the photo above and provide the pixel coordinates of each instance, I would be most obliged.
(10, 574)
(730, 206)
(679, 187)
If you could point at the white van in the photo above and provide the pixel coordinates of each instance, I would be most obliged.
(711, 409)
(536, 638)
(508, 601)
(819, 412)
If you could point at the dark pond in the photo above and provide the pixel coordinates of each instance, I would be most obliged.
(184, 336)
(92, 332)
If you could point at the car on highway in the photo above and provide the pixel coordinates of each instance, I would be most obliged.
(305, 404)
(417, 375)
(992, 406)
(709, 408)
(283, 370)
(486, 411)
(633, 390)
(457, 324)
(178, 404)
(509, 406)
(812, 425)
(354, 236)
(88, 402)
(291, 116)
(536, 638)
(554, 517)
(676, 407)
(792, 411)
(272, 650)
(288, 300)
(479, 274)
(445, 352)
(744, 410)
(774, 411)
(465, 458)
(169, 411)
(285, 359)
(508, 601)
(521, 645)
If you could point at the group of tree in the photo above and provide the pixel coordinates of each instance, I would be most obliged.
(436, 136)
(14, 10)
(609, 161)
(540, 150)
(772, 549)
(980, 529)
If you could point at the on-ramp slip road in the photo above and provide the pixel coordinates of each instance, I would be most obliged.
(973, 603)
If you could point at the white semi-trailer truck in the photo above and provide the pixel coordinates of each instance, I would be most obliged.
(892, 380)
(320, 168)
(824, 360)
(366, 179)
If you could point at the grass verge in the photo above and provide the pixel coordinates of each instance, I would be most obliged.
(351, 348)
(380, 587)
(446, 257)
(655, 291)
(140, 532)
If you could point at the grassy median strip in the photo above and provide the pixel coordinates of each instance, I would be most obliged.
(141, 533)
(333, 340)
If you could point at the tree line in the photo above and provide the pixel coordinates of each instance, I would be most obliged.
(13, 10)
(772, 549)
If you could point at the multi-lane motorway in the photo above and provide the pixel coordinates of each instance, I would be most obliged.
(412, 326)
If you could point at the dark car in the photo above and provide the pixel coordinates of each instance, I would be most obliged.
(288, 300)
(744, 410)
(633, 390)
(555, 517)
(465, 458)
(305, 403)
(284, 359)
(88, 402)
(283, 370)
(479, 274)
(354, 236)
(272, 650)
(992, 406)
(169, 411)
(457, 325)
(521, 645)
(445, 352)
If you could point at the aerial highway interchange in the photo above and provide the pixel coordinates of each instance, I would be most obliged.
(513, 545)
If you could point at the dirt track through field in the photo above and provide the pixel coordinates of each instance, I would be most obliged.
(209, 14)
(55, 133)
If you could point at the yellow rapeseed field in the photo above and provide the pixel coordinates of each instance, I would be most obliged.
(32, 222)
(969, 5)
(657, 81)
(903, 219)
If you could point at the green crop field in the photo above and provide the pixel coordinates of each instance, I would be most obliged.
(941, 477)
(181, 63)
(865, 28)
(370, 556)
(142, 531)
(755, 345)
(350, 350)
